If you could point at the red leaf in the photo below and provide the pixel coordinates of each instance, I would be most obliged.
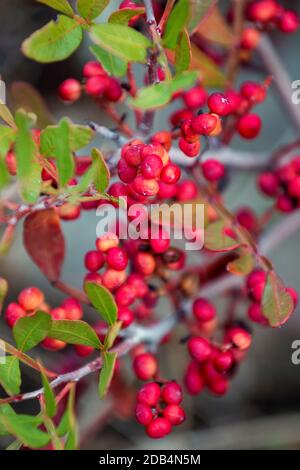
(44, 242)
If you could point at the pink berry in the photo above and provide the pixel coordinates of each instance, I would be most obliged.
(151, 166)
(199, 348)
(117, 258)
(223, 361)
(13, 312)
(174, 414)
(70, 90)
(93, 68)
(158, 428)
(31, 298)
(249, 126)
(268, 183)
(126, 316)
(73, 309)
(143, 414)
(189, 149)
(203, 310)
(172, 393)
(82, 350)
(93, 260)
(213, 170)
(218, 103)
(195, 97)
(95, 86)
(145, 366)
(204, 124)
(288, 21)
(149, 394)
(170, 173)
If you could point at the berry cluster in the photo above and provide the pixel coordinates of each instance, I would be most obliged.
(283, 184)
(97, 84)
(143, 166)
(158, 408)
(213, 365)
(255, 285)
(31, 300)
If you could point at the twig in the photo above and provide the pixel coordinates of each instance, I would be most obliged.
(107, 133)
(233, 59)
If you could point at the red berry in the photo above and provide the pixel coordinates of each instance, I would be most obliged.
(132, 155)
(145, 187)
(125, 295)
(145, 263)
(263, 11)
(95, 86)
(94, 260)
(31, 298)
(203, 310)
(53, 344)
(163, 138)
(171, 393)
(239, 337)
(11, 163)
(126, 316)
(138, 283)
(255, 314)
(213, 170)
(70, 90)
(151, 166)
(189, 149)
(247, 218)
(162, 243)
(253, 92)
(188, 132)
(117, 258)
(249, 126)
(58, 313)
(126, 173)
(82, 350)
(195, 98)
(219, 386)
(179, 116)
(93, 277)
(113, 90)
(174, 414)
(288, 21)
(149, 394)
(113, 279)
(250, 38)
(187, 190)
(218, 103)
(193, 379)
(284, 204)
(223, 361)
(204, 124)
(294, 187)
(107, 241)
(199, 348)
(145, 366)
(170, 173)
(268, 183)
(143, 414)
(158, 428)
(73, 309)
(13, 312)
(93, 68)
(166, 191)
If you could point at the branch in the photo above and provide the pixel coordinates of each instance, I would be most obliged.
(136, 334)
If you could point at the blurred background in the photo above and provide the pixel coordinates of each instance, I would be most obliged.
(262, 408)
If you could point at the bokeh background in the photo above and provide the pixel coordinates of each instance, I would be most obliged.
(262, 408)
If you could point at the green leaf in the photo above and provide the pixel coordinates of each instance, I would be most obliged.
(60, 5)
(125, 15)
(90, 9)
(175, 23)
(6, 115)
(216, 238)
(103, 301)
(155, 96)
(7, 137)
(55, 141)
(5, 410)
(107, 372)
(79, 136)
(56, 41)
(112, 333)
(10, 375)
(30, 331)
(102, 174)
(183, 52)
(28, 168)
(25, 96)
(25, 428)
(50, 403)
(111, 63)
(277, 303)
(4, 175)
(241, 266)
(211, 75)
(198, 11)
(74, 332)
(122, 41)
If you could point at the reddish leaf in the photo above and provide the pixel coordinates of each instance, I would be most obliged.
(44, 242)
(217, 237)
(277, 303)
(241, 266)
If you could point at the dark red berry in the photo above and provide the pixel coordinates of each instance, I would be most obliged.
(149, 394)
(199, 348)
(203, 310)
